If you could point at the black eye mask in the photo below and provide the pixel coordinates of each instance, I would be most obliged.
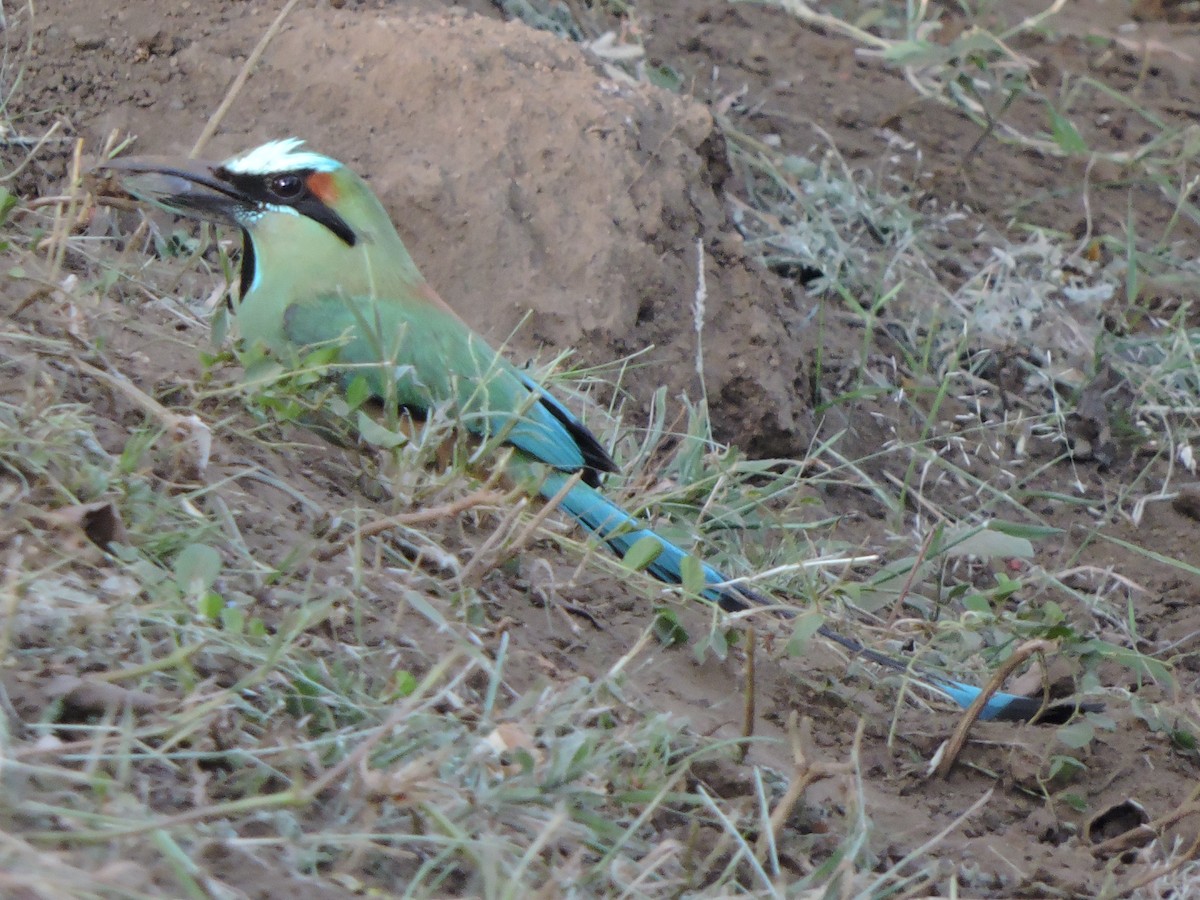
(288, 189)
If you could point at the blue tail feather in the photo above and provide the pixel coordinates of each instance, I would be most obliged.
(621, 531)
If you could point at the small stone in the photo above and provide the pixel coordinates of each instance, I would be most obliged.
(158, 42)
(84, 38)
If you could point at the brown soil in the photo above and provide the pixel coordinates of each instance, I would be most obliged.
(556, 207)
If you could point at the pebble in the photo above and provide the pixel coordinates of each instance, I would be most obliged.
(85, 38)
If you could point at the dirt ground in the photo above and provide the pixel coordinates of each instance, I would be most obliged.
(556, 207)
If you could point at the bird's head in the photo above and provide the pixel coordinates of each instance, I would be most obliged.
(295, 207)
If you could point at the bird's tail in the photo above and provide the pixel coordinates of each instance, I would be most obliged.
(621, 531)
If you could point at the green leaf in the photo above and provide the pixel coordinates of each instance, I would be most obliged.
(665, 77)
(644, 551)
(1064, 133)
(894, 575)
(358, 392)
(8, 200)
(320, 358)
(717, 640)
(977, 603)
(307, 688)
(667, 628)
(219, 326)
(404, 683)
(1076, 802)
(807, 624)
(209, 605)
(914, 53)
(196, 568)
(1020, 530)
(1183, 740)
(692, 572)
(1138, 662)
(378, 435)
(1132, 271)
(233, 618)
(985, 544)
(523, 758)
(261, 372)
(1005, 586)
(1052, 614)
(1064, 765)
(1077, 735)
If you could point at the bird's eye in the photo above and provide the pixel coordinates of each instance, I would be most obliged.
(286, 187)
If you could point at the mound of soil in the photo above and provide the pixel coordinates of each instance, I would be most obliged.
(553, 206)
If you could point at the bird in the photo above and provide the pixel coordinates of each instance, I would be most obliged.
(323, 266)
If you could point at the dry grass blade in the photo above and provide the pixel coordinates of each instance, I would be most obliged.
(243, 75)
(949, 752)
(805, 772)
(484, 497)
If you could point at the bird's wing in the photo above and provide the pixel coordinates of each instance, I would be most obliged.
(417, 356)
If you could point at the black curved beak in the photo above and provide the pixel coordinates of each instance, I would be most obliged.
(190, 189)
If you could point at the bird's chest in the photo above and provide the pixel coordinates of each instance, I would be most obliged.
(259, 320)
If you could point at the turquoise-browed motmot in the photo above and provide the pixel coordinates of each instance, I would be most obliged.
(323, 266)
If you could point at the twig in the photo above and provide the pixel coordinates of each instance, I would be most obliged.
(956, 742)
(748, 696)
(804, 773)
(699, 303)
(214, 121)
(922, 555)
(482, 557)
(32, 153)
(536, 522)
(1136, 836)
(66, 215)
(484, 497)
(1179, 862)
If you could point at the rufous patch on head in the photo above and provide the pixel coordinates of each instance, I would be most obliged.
(323, 188)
